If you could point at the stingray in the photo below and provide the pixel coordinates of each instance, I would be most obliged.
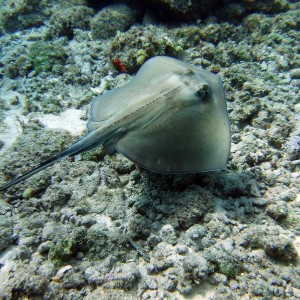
(170, 118)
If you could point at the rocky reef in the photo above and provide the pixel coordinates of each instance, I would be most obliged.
(98, 226)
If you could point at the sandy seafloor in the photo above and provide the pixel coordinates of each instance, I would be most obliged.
(99, 227)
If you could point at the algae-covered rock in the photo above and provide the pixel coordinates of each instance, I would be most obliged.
(192, 205)
(189, 36)
(19, 64)
(67, 241)
(6, 225)
(63, 22)
(111, 19)
(224, 258)
(279, 131)
(102, 243)
(168, 234)
(141, 43)
(252, 236)
(184, 9)
(280, 248)
(47, 56)
(21, 14)
(195, 266)
(278, 211)
(267, 6)
(35, 145)
(240, 8)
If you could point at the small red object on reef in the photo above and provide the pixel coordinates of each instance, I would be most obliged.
(119, 65)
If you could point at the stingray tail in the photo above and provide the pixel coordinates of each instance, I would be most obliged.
(87, 143)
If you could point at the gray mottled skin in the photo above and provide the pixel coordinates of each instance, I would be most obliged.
(170, 118)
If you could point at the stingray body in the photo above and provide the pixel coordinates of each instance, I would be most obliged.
(170, 118)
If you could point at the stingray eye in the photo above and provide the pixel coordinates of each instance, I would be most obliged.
(203, 91)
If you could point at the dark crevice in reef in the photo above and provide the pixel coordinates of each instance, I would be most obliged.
(139, 7)
(166, 11)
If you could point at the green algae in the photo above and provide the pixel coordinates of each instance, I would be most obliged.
(47, 56)
(65, 21)
(21, 66)
(67, 242)
(39, 58)
(96, 154)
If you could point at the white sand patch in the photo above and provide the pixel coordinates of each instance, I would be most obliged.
(8, 266)
(14, 121)
(204, 291)
(68, 120)
(12, 127)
